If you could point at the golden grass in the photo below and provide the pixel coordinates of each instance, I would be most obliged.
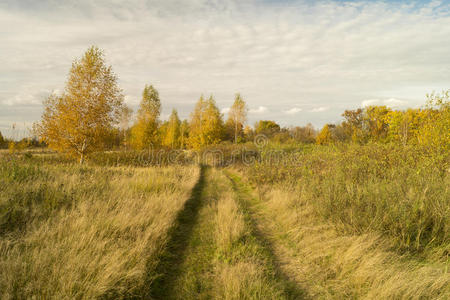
(335, 265)
(102, 244)
(241, 265)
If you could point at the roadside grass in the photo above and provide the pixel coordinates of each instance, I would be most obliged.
(244, 264)
(399, 192)
(70, 231)
(332, 264)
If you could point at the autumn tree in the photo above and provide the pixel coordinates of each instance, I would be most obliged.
(436, 126)
(353, 125)
(78, 121)
(124, 123)
(377, 122)
(267, 127)
(325, 136)
(306, 134)
(237, 116)
(2, 141)
(206, 126)
(184, 133)
(145, 131)
(172, 131)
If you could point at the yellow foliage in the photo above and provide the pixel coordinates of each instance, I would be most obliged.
(206, 126)
(144, 133)
(237, 116)
(172, 132)
(324, 137)
(78, 121)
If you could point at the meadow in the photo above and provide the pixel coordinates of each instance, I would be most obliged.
(340, 221)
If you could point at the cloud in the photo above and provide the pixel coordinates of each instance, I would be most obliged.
(328, 53)
(26, 97)
(391, 102)
(293, 111)
(320, 109)
(259, 110)
(225, 110)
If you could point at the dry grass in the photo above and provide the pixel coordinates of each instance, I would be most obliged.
(242, 266)
(335, 265)
(98, 244)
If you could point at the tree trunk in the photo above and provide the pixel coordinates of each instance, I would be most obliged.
(235, 132)
(83, 149)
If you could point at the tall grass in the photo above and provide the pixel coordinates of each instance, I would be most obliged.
(399, 192)
(70, 231)
(335, 265)
(243, 267)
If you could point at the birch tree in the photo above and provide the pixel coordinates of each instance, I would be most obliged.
(78, 121)
(145, 131)
(237, 116)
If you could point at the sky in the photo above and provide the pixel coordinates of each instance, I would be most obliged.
(293, 61)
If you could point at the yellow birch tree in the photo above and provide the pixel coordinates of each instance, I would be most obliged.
(78, 121)
(145, 131)
(237, 116)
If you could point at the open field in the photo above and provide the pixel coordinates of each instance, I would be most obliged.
(298, 231)
(70, 231)
(208, 149)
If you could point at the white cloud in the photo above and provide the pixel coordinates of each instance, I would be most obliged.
(391, 102)
(259, 110)
(293, 111)
(331, 53)
(225, 110)
(320, 109)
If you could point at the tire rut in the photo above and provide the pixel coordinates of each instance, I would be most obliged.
(278, 254)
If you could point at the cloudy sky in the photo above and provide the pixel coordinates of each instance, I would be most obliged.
(293, 61)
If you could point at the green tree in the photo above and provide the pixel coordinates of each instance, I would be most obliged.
(267, 127)
(78, 121)
(237, 117)
(172, 133)
(145, 131)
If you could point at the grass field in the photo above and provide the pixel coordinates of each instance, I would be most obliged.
(359, 222)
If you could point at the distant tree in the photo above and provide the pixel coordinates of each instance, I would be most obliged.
(404, 126)
(377, 122)
(237, 116)
(206, 126)
(172, 134)
(324, 137)
(435, 130)
(78, 121)
(2, 141)
(248, 133)
(124, 123)
(353, 125)
(267, 127)
(145, 131)
(184, 133)
(306, 134)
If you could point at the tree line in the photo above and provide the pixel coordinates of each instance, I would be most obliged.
(429, 125)
(90, 115)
